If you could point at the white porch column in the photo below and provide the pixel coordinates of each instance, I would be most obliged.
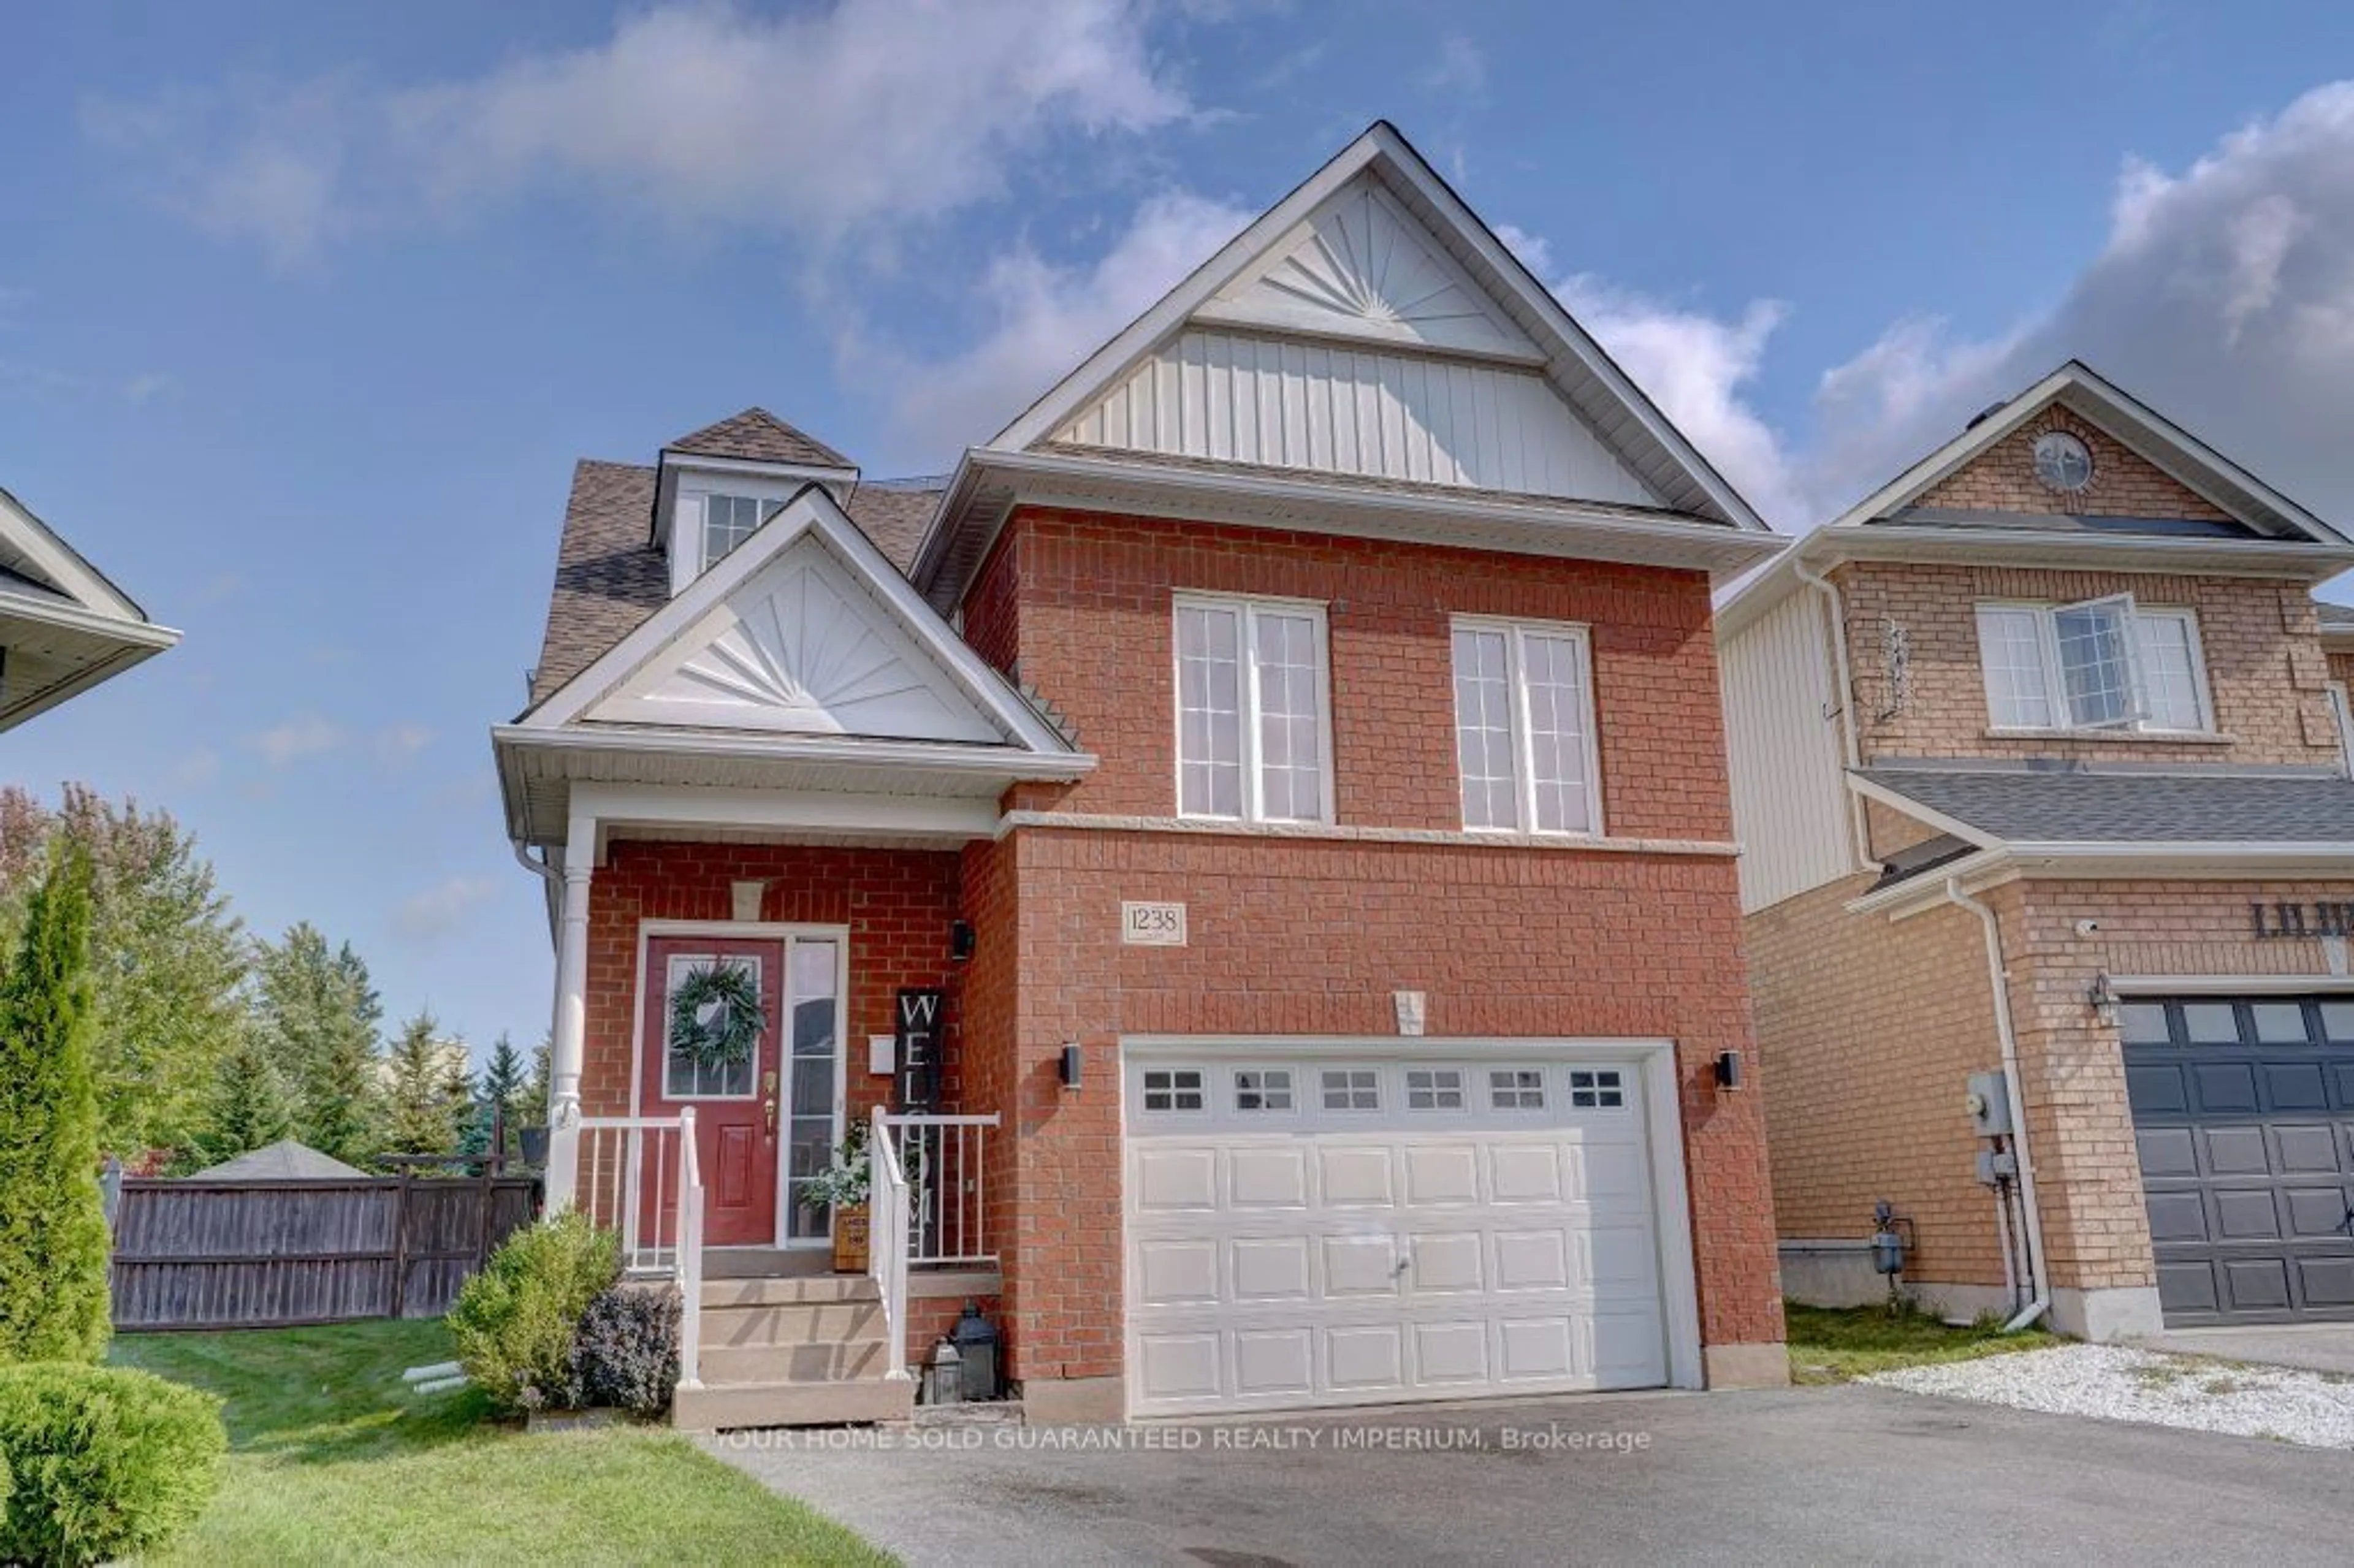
(567, 1047)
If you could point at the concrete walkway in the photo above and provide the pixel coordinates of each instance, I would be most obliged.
(1819, 1476)
(2312, 1346)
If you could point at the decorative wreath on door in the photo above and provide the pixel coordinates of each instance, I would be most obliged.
(715, 1016)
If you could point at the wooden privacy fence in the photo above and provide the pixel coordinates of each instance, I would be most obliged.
(193, 1254)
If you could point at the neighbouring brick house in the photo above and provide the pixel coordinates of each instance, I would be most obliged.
(1291, 755)
(2037, 772)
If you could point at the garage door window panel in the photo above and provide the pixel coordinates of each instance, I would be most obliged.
(1351, 1089)
(1262, 1089)
(1516, 1089)
(1599, 1089)
(1174, 1090)
(1433, 1088)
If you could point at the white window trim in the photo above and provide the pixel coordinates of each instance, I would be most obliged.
(1524, 784)
(1248, 606)
(2055, 688)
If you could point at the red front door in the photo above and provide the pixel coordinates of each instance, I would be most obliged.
(736, 1103)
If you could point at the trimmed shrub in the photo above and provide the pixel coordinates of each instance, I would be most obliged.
(627, 1352)
(514, 1322)
(102, 1463)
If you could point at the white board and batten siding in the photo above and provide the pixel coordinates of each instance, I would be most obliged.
(1379, 413)
(1782, 740)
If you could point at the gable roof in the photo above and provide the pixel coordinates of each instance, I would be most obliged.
(635, 680)
(1495, 288)
(758, 436)
(64, 628)
(610, 575)
(2252, 529)
(284, 1161)
(2235, 491)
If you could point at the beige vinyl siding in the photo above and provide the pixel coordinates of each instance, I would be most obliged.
(1782, 738)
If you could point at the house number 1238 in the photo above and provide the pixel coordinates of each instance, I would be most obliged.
(1152, 925)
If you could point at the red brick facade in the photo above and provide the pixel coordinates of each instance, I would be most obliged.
(896, 903)
(1301, 932)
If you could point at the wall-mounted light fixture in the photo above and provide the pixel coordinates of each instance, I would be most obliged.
(960, 939)
(2102, 997)
(1728, 1069)
(1070, 1065)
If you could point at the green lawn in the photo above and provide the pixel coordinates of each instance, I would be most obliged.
(1841, 1345)
(332, 1460)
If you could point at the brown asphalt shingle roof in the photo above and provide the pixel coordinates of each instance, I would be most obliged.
(609, 577)
(758, 436)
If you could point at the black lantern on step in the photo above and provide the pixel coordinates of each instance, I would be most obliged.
(975, 1339)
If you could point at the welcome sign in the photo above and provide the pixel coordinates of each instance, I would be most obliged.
(915, 1031)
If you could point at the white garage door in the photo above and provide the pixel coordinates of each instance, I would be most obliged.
(1306, 1231)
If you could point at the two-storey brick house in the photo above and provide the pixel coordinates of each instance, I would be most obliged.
(1290, 757)
(2037, 774)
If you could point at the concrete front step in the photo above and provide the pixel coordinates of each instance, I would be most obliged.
(792, 1323)
(825, 1361)
(788, 1290)
(715, 1408)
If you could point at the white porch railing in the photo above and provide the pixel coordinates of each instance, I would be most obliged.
(945, 1158)
(640, 1176)
(888, 1211)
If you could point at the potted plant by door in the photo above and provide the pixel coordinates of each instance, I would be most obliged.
(844, 1186)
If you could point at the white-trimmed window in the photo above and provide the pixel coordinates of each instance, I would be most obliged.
(2342, 710)
(1254, 733)
(1524, 746)
(730, 520)
(2104, 664)
(1351, 1088)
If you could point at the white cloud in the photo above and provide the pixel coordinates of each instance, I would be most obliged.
(297, 738)
(1695, 368)
(197, 769)
(1044, 318)
(404, 740)
(440, 910)
(2224, 296)
(819, 123)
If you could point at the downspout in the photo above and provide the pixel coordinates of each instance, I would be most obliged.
(546, 873)
(1859, 839)
(2032, 1215)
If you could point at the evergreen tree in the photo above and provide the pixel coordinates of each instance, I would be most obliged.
(167, 957)
(316, 1015)
(499, 1100)
(542, 1088)
(427, 1089)
(53, 1237)
(249, 1107)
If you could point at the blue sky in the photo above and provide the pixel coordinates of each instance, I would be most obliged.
(306, 310)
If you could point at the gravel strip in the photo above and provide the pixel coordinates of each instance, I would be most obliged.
(2111, 1382)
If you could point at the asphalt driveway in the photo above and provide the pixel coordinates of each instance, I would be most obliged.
(1836, 1474)
(2313, 1347)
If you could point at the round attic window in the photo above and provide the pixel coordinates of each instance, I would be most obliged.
(2062, 461)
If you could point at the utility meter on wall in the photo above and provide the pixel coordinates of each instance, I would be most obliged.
(1988, 1103)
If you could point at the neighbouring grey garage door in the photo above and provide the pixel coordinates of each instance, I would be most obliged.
(2243, 1113)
